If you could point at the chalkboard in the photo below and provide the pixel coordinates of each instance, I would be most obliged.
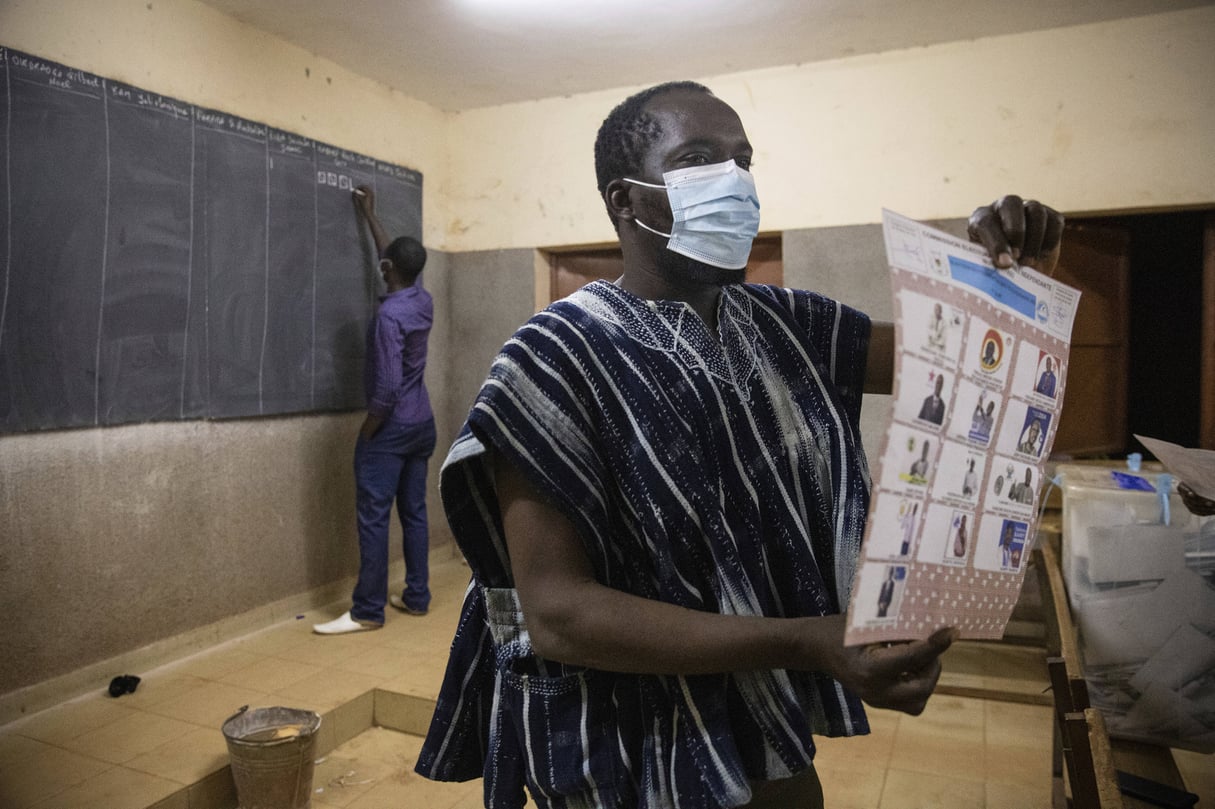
(165, 261)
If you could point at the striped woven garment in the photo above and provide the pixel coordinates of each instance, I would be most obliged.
(718, 471)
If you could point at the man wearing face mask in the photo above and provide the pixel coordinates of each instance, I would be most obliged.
(661, 491)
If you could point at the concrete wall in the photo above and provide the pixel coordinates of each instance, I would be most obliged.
(122, 544)
(492, 291)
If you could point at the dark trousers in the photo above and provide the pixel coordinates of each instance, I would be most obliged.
(392, 465)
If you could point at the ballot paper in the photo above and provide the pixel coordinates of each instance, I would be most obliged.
(1195, 467)
(981, 361)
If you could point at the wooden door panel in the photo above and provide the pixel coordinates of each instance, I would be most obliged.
(1096, 260)
(1094, 415)
(573, 269)
(766, 265)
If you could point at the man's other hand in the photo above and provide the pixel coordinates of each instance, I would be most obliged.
(1018, 231)
(1196, 503)
(896, 676)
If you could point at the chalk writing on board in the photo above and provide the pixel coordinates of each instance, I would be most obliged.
(166, 261)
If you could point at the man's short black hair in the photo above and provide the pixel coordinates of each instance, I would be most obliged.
(629, 131)
(407, 255)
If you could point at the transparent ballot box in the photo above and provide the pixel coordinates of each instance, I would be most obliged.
(1140, 576)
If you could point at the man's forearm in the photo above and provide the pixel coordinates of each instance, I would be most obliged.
(575, 619)
(378, 235)
(879, 368)
(596, 626)
(365, 203)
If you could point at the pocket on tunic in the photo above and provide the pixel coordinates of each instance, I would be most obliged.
(566, 726)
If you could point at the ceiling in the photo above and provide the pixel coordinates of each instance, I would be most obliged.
(464, 54)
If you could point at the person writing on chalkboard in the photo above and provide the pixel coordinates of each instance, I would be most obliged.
(397, 436)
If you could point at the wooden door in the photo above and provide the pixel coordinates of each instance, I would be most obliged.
(572, 269)
(1096, 260)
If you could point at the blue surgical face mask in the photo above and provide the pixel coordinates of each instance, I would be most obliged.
(715, 213)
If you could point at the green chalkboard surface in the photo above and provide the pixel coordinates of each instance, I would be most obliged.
(160, 260)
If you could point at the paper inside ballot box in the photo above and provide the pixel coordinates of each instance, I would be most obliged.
(1162, 713)
(1184, 658)
(1122, 553)
(1131, 624)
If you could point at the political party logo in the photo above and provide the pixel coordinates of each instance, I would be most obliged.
(991, 350)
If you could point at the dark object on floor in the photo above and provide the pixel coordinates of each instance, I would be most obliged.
(1154, 792)
(126, 684)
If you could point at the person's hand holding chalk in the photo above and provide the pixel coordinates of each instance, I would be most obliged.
(364, 198)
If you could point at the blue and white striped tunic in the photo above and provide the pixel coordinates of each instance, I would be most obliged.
(720, 472)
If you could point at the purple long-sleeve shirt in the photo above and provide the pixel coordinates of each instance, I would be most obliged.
(396, 357)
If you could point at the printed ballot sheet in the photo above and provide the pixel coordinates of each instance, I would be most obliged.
(980, 371)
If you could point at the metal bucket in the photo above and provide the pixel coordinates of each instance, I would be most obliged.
(271, 752)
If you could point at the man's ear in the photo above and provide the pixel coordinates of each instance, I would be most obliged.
(618, 200)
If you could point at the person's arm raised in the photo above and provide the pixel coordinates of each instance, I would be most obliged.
(364, 200)
(574, 619)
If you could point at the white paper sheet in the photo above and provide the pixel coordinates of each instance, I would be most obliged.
(1195, 467)
(980, 371)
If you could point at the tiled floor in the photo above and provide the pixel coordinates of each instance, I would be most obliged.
(162, 747)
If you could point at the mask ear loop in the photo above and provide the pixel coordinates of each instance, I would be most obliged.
(655, 231)
(638, 221)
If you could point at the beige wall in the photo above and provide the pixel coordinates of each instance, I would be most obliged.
(1092, 118)
(117, 539)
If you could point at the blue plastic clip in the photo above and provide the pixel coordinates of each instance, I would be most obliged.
(1164, 487)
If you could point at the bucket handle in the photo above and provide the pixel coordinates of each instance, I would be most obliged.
(239, 711)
